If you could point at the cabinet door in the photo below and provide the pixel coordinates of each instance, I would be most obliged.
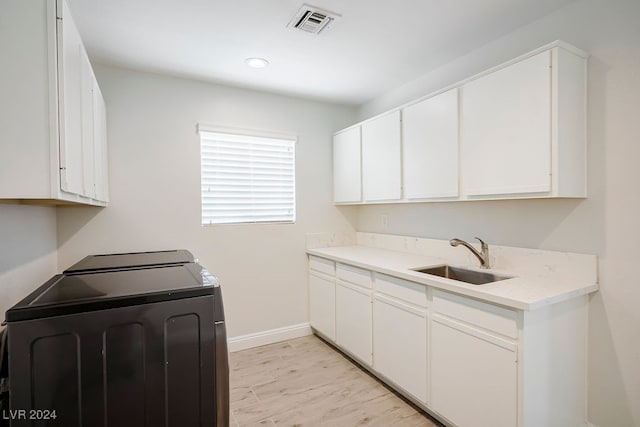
(506, 130)
(70, 65)
(400, 345)
(88, 126)
(430, 147)
(353, 320)
(101, 154)
(322, 303)
(381, 158)
(347, 177)
(473, 376)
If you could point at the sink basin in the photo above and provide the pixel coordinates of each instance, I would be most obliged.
(462, 274)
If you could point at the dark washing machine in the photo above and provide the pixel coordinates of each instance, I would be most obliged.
(126, 345)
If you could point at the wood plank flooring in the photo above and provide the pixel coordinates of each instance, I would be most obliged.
(305, 382)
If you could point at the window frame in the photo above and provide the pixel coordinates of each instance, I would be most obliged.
(202, 130)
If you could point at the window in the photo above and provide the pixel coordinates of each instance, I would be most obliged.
(246, 179)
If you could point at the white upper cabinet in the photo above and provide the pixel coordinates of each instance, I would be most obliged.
(72, 99)
(515, 131)
(101, 162)
(430, 147)
(381, 152)
(88, 128)
(523, 129)
(53, 123)
(506, 130)
(347, 171)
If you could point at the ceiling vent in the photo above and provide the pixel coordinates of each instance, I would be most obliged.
(311, 19)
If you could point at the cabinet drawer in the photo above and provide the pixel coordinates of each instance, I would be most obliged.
(410, 292)
(322, 265)
(354, 275)
(487, 316)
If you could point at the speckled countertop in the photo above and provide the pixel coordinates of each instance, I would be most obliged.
(526, 290)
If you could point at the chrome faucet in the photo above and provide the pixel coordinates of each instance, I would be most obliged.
(482, 256)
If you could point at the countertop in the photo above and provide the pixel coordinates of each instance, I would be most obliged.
(522, 292)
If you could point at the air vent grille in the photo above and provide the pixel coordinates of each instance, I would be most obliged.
(311, 19)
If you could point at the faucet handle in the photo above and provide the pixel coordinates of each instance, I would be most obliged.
(485, 254)
(482, 243)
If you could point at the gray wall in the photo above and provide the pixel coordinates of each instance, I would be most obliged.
(154, 162)
(28, 254)
(606, 223)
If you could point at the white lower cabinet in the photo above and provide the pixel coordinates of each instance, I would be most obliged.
(473, 354)
(400, 344)
(353, 320)
(474, 376)
(322, 304)
(467, 361)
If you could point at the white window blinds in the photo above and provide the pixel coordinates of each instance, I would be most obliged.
(246, 179)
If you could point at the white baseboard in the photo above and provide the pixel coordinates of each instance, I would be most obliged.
(244, 342)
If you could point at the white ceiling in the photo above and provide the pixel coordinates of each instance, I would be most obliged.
(374, 47)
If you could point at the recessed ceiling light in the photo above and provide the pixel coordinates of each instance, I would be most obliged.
(256, 62)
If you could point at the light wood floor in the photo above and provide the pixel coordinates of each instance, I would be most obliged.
(305, 382)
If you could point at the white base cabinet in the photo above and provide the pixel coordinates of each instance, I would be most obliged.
(400, 344)
(467, 362)
(400, 334)
(353, 312)
(322, 304)
(52, 118)
(322, 296)
(353, 320)
(474, 376)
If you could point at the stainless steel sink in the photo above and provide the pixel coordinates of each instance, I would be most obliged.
(462, 274)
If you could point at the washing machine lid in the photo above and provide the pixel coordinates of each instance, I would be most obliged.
(132, 259)
(106, 289)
